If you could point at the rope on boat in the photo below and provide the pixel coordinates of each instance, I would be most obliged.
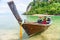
(21, 35)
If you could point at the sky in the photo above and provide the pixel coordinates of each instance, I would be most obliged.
(21, 6)
(8, 23)
(7, 19)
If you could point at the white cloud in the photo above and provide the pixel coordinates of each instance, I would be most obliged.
(20, 4)
(21, 7)
(4, 9)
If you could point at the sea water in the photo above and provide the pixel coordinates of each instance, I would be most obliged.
(10, 29)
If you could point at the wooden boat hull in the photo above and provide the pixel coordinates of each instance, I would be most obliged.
(33, 28)
(30, 28)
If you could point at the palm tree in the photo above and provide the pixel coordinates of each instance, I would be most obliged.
(33, 3)
(30, 5)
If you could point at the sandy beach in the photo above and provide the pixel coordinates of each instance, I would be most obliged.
(9, 35)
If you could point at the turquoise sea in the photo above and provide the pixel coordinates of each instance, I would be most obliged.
(52, 33)
(9, 29)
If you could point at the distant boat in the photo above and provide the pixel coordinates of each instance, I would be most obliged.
(31, 28)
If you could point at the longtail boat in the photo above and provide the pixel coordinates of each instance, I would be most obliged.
(30, 28)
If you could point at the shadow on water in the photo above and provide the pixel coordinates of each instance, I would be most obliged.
(36, 34)
(25, 36)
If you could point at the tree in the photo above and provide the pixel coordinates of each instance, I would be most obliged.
(51, 7)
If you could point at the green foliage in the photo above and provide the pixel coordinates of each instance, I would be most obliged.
(51, 7)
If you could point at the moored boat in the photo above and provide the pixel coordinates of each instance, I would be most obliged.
(31, 28)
